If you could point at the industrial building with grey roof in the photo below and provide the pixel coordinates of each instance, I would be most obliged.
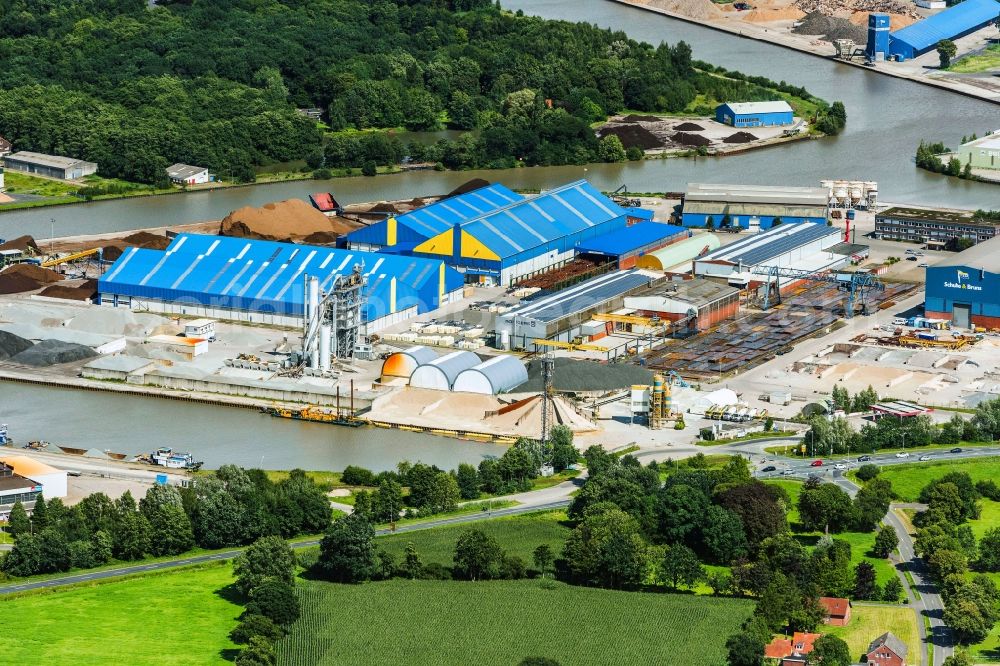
(752, 207)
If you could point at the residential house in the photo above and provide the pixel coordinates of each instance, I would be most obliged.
(791, 652)
(887, 650)
(836, 611)
(5, 147)
(185, 174)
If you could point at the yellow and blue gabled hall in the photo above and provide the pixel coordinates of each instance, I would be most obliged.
(525, 236)
(401, 233)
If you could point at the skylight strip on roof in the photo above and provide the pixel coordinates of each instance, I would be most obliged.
(191, 267)
(211, 248)
(527, 227)
(597, 202)
(486, 223)
(325, 284)
(541, 211)
(299, 271)
(246, 248)
(572, 209)
(156, 268)
(256, 275)
(236, 277)
(122, 265)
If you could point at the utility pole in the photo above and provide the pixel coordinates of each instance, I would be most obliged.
(548, 373)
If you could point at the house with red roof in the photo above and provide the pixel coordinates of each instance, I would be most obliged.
(791, 652)
(836, 611)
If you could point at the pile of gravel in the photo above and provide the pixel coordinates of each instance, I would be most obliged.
(53, 352)
(689, 127)
(830, 28)
(740, 137)
(632, 136)
(686, 139)
(12, 345)
(574, 375)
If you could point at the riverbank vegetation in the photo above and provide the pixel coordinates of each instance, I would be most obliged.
(219, 84)
(984, 61)
(929, 157)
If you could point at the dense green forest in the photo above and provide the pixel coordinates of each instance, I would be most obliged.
(217, 82)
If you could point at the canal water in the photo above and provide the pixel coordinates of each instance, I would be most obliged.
(216, 435)
(887, 118)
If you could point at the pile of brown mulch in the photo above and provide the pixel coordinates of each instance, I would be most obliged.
(25, 244)
(686, 139)
(146, 240)
(282, 221)
(320, 238)
(689, 127)
(79, 293)
(36, 273)
(641, 119)
(740, 137)
(384, 207)
(468, 186)
(632, 136)
(15, 283)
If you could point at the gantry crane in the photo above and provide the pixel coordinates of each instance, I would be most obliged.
(857, 285)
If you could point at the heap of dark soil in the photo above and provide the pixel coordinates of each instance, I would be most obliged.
(642, 119)
(80, 293)
(468, 186)
(740, 137)
(686, 139)
(146, 240)
(632, 136)
(15, 283)
(320, 238)
(12, 345)
(23, 243)
(36, 273)
(689, 127)
(830, 28)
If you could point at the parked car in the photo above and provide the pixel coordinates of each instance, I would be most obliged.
(903, 454)
(924, 458)
(770, 468)
(911, 252)
(911, 258)
(924, 265)
(788, 472)
(816, 463)
(865, 458)
(956, 450)
(840, 466)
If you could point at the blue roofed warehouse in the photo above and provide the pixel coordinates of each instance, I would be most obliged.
(262, 281)
(626, 245)
(755, 114)
(952, 23)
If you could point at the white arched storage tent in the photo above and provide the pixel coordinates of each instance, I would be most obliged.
(403, 363)
(441, 373)
(500, 374)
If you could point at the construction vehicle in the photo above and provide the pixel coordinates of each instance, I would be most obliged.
(673, 377)
(73, 257)
(569, 346)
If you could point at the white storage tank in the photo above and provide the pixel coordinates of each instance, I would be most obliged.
(402, 364)
(500, 374)
(442, 372)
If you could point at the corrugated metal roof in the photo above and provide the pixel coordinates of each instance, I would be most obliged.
(984, 256)
(742, 108)
(765, 246)
(266, 276)
(814, 196)
(635, 237)
(182, 171)
(581, 296)
(57, 161)
(551, 215)
(953, 21)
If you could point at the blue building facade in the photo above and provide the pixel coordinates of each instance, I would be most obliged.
(877, 48)
(755, 114)
(263, 281)
(966, 295)
(952, 23)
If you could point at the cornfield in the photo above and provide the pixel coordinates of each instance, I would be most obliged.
(501, 622)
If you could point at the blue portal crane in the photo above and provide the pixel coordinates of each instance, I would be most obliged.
(857, 285)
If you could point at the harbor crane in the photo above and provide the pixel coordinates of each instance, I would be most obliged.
(857, 285)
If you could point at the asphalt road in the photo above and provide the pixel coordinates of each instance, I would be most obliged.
(117, 572)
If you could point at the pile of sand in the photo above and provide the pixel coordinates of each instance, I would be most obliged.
(143, 239)
(698, 9)
(769, 14)
(896, 21)
(632, 136)
(288, 220)
(36, 273)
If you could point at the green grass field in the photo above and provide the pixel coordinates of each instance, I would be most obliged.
(908, 480)
(988, 59)
(170, 618)
(501, 622)
(519, 535)
(869, 622)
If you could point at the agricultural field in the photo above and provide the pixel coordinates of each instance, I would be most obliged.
(869, 622)
(519, 535)
(175, 618)
(908, 480)
(501, 622)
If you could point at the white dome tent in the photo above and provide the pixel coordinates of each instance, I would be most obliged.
(442, 372)
(499, 374)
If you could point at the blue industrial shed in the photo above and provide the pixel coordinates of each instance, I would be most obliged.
(755, 114)
(401, 233)
(952, 23)
(965, 288)
(262, 281)
(528, 236)
(628, 244)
